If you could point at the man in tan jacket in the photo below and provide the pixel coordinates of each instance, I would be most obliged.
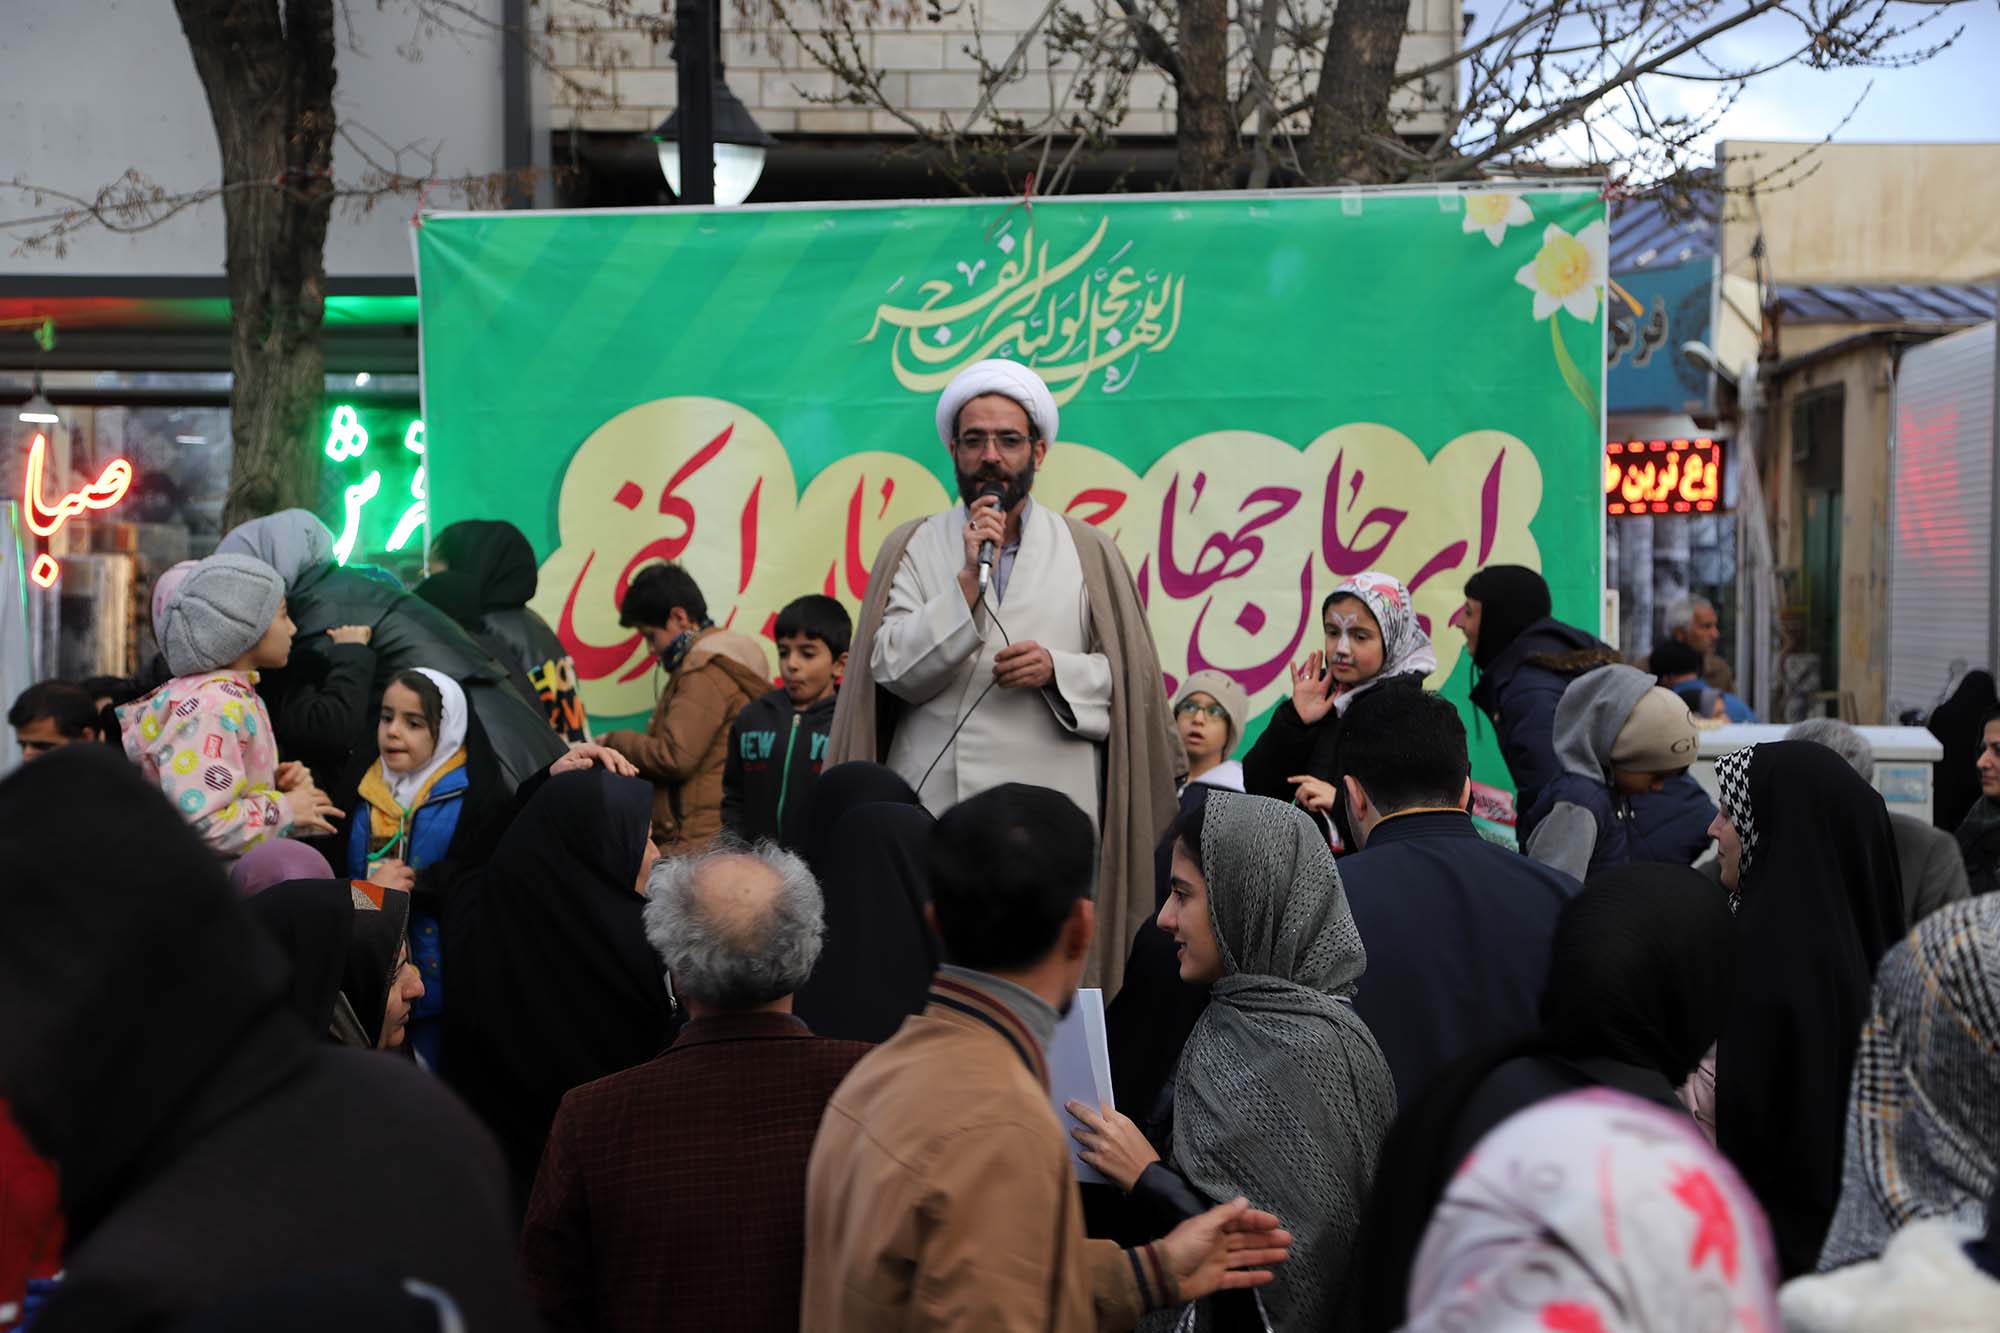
(711, 674)
(940, 1194)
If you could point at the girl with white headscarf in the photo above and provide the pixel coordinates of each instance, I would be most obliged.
(1373, 641)
(1281, 1094)
(411, 813)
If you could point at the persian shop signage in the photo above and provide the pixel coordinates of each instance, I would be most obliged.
(45, 518)
(1663, 476)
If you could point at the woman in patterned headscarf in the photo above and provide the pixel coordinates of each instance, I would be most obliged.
(1373, 641)
(1809, 858)
(1923, 1120)
(1281, 1094)
(1595, 1211)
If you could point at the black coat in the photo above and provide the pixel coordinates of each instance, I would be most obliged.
(1519, 697)
(1288, 747)
(323, 703)
(775, 755)
(1822, 900)
(1639, 978)
(489, 580)
(205, 1144)
(1458, 933)
(1957, 723)
(1979, 844)
(553, 983)
(1148, 1022)
(878, 954)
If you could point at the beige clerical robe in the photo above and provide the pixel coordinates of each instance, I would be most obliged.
(936, 655)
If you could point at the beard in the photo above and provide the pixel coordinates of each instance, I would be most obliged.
(1016, 486)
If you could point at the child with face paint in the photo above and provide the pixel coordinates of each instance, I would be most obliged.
(1372, 641)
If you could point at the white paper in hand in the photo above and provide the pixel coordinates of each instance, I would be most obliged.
(1080, 1070)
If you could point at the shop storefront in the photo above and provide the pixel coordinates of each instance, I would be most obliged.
(1669, 469)
(118, 475)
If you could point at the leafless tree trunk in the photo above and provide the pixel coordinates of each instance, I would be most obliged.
(267, 67)
(1351, 105)
(1206, 145)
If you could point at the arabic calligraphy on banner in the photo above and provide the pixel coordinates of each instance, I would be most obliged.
(1235, 536)
(1086, 314)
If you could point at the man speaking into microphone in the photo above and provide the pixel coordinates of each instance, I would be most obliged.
(1003, 642)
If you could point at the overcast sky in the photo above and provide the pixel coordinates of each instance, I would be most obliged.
(1953, 96)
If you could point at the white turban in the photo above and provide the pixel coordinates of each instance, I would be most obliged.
(1009, 379)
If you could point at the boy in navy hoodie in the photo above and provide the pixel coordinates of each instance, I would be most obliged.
(778, 744)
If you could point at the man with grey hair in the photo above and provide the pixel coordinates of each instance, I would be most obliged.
(1932, 869)
(672, 1195)
(1692, 621)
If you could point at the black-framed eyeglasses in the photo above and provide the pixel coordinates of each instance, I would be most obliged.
(1006, 439)
(1215, 712)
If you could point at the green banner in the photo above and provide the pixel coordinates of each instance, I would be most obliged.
(1260, 395)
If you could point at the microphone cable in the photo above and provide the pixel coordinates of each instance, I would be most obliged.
(951, 739)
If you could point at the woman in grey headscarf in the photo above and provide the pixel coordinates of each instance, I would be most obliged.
(1281, 1094)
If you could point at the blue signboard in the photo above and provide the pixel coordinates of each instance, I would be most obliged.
(1654, 311)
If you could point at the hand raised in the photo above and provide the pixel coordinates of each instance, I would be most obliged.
(984, 523)
(1312, 689)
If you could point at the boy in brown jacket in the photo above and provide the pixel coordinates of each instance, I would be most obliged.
(711, 674)
(940, 1194)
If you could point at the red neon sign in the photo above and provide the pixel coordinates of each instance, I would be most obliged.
(43, 520)
(1663, 476)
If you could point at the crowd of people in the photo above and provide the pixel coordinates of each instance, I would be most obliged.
(351, 979)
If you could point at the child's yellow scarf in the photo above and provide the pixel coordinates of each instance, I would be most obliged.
(389, 823)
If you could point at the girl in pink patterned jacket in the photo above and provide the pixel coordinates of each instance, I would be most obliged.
(205, 736)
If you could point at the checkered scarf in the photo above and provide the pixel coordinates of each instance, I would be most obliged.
(1732, 772)
(1923, 1117)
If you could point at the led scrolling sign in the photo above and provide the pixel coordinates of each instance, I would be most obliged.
(1663, 476)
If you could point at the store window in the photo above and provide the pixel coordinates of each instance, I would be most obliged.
(173, 429)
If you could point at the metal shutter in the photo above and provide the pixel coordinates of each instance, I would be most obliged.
(1941, 581)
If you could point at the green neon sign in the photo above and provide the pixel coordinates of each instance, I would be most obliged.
(373, 494)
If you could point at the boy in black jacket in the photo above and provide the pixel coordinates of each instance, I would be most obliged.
(778, 744)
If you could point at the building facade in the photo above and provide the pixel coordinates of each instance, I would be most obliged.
(1856, 252)
(935, 68)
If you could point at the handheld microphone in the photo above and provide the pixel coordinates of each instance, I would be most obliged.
(996, 491)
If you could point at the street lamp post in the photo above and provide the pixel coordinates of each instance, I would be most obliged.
(711, 148)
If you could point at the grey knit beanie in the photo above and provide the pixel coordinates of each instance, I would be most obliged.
(218, 613)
